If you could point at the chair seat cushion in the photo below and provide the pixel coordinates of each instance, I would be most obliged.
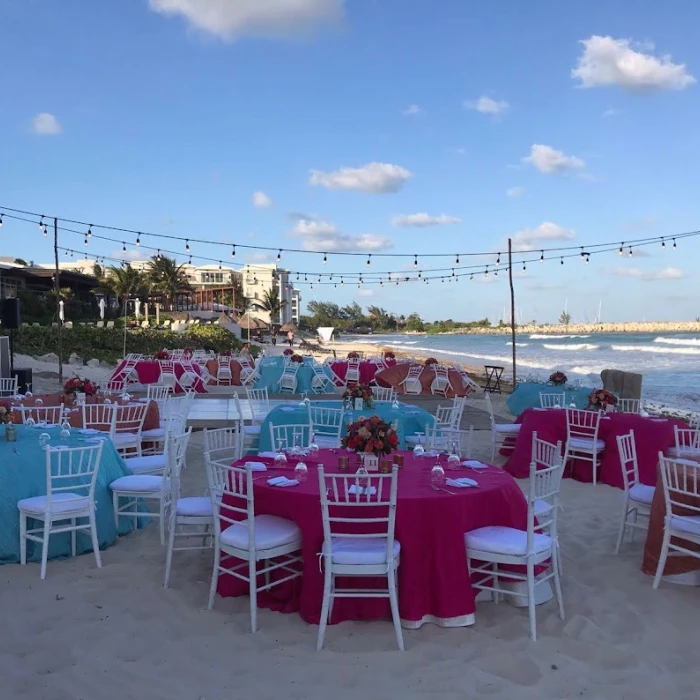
(60, 503)
(683, 451)
(369, 551)
(195, 507)
(270, 531)
(642, 493)
(507, 427)
(505, 540)
(251, 429)
(146, 464)
(689, 524)
(125, 438)
(153, 434)
(580, 443)
(138, 482)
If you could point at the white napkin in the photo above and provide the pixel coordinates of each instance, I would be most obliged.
(462, 482)
(271, 455)
(287, 409)
(557, 406)
(256, 466)
(644, 414)
(362, 491)
(431, 453)
(539, 408)
(89, 431)
(475, 464)
(282, 481)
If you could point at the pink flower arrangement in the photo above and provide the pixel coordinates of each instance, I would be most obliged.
(296, 358)
(430, 361)
(76, 385)
(353, 355)
(558, 378)
(601, 399)
(360, 391)
(372, 436)
(162, 355)
(5, 413)
(388, 355)
(288, 352)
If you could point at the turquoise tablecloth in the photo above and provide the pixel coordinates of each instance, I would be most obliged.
(271, 370)
(23, 475)
(411, 419)
(527, 395)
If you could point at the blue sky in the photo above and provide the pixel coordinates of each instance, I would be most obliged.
(572, 122)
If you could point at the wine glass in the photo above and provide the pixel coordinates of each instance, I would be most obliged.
(453, 461)
(313, 447)
(437, 476)
(30, 421)
(362, 479)
(280, 460)
(296, 449)
(418, 450)
(395, 405)
(301, 472)
(44, 439)
(38, 402)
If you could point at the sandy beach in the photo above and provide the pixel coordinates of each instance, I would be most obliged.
(117, 633)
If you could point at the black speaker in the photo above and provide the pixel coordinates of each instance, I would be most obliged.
(11, 313)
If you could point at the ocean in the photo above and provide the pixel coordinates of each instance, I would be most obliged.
(670, 363)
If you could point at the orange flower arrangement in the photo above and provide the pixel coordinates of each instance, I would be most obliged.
(372, 436)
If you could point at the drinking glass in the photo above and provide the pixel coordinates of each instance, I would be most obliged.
(418, 450)
(301, 472)
(44, 439)
(313, 447)
(30, 421)
(453, 461)
(362, 477)
(280, 460)
(437, 475)
(38, 402)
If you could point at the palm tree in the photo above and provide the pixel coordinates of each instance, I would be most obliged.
(272, 304)
(168, 278)
(125, 282)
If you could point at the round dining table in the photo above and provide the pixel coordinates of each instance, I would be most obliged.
(434, 583)
(23, 475)
(411, 419)
(651, 435)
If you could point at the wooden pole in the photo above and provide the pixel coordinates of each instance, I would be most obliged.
(57, 292)
(512, 303)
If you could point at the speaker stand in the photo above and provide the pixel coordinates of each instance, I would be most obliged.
(12, 352)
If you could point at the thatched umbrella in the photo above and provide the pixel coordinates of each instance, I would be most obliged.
(288, 327)
(251, 322)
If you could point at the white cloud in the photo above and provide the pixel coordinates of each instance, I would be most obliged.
(373, 177)
(608, 61)
(261, 200)
(324, 237)
(666, 273)
(612, 112)
(230, 19)
(45, 124)
(365, 292)
(548, 160)
(412, 111)
(515, 191)
(487, 105)
(259, 257)
(532, 238)
(423, 219)
(460, 151)
(127, 255)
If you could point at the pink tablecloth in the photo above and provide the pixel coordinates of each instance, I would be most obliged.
(148, 372)
(434, 584)
(651, 435)
(367, 369)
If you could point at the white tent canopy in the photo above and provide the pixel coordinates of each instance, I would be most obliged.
(325, 333)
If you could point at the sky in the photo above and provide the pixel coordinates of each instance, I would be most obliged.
(400, 127)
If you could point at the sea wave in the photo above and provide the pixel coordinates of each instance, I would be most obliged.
(656, 349)
(538, 336)
(520, 345)
(571, 346)
(677, 341)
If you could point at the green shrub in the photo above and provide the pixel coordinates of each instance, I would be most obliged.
(108, 343)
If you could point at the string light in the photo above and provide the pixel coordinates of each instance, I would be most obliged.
(457, 259)
(524, 268)
(123, 247)
(471, 277)
(663, 243)
(486, 271)
(233, 251)
(41, 224)
(588, 257)
(187, 246)
(674, 244)
(279, 255)
(583, 253)
(369, 259)
(86, 241)
(415, 261)
(89, 231)
(325, 258)
(630, 252)
(0, 219)
(138, 240)
(562, 261)
(619, 252)
(542, 256)
(498, 259)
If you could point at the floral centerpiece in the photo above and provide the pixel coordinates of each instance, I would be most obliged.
(225, 353)
(162, 355)
(359, 391)
(5, 413)
(558, 378)
(371, 436)
(600, 399)
(77, 385)
(288, 352)
(187, 352)
(430, 361)
(353, 355)
(388, 355)
(296, 358)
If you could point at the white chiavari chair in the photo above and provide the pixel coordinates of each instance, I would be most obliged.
(628, 406)
(447, 440)
(128, 427)
(71, 475)
(353, 373)
(638, 496)
(441, 384)
(326, 425)
(288, 380)
(381, 393)
(223, 372)
(223, 444)
(346, 553)
(45, 415)
(550, 399)
(681, 484)
(259, 402)
(582, 442)
(411, 384)
(490, 547)
(250, 432)
(156, 392)
(503, 434)
(320, 382)
(8, 386)
(97, 416)
(285, 437)
(249, 538)
(687, 443)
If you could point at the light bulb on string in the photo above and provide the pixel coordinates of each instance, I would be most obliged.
(89, 231)
(123, 247)
(453, 272)
(297, 276)
(583, 253)
(138, 240)
(187, 246)
(305, 278)
(86, 241)
(325, 258)
(341, 280)
(486, 271)
(524, 268)
(495, 272)
(562, 261)
(619, 252)
(0, 220)
(233, 251)
(219, 264)
(630, 252)
(41, 224)
(415, 261)
(319, 279)
(498, 259)
(369, 260)
(471, 277)
(663, 243)
(420, 274)
(588, 257)
(190, 261)
(674, 244)
(279, 255)
(312, 285)
(542, 256)
(457, 259)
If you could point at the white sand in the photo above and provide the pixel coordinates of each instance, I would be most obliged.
(116, 633)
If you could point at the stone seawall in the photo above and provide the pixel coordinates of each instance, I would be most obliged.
(588, 328)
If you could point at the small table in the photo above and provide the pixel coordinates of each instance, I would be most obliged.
(493, 378)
